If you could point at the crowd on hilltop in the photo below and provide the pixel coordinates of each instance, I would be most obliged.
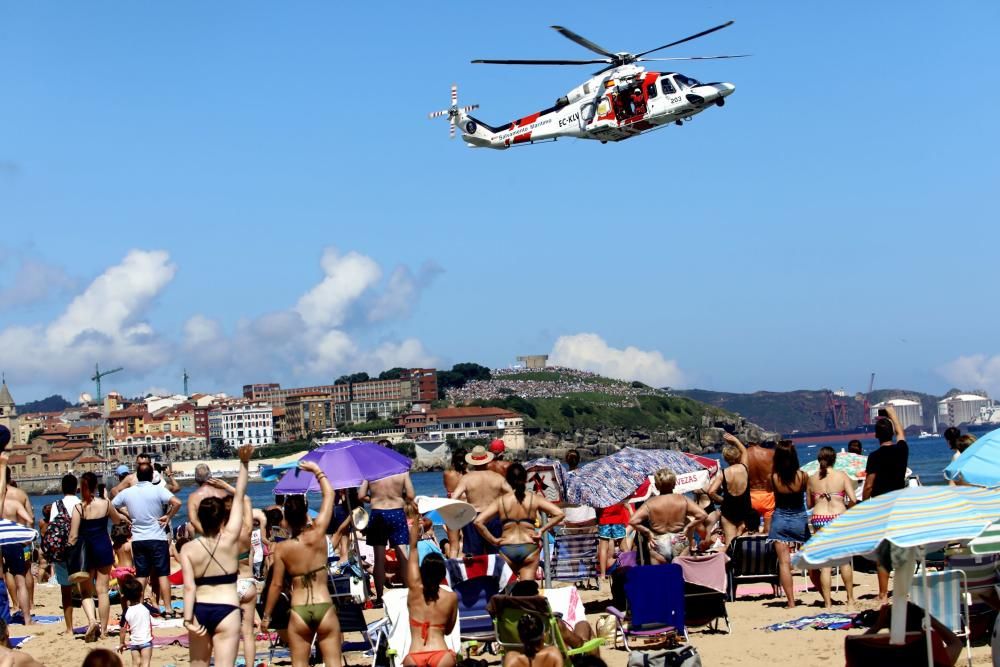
(511, 382)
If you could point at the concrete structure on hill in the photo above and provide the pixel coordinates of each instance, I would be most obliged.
(961, 409)
(534, 361)
(8, 412)
(909, 412)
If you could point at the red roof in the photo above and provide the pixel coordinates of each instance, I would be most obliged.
(471, 411)
(82, 429)
(91, 459)
(79, 444)
(60, 456)
(17, 459)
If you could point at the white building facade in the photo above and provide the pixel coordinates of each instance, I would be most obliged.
(176, 446)
(242, 423)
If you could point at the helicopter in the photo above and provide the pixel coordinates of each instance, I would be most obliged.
(619, 101)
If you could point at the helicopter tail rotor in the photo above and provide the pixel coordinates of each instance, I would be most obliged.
(454, 113)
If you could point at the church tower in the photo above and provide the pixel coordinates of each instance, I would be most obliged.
(8, 411)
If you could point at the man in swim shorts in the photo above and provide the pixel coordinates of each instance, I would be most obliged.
(387, 524)
(759, 465)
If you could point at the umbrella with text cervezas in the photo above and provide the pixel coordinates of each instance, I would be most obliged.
(910, 520)
(346, 465)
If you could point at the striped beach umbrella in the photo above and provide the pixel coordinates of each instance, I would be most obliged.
(911, 517)
(15, 533)
(612, 479)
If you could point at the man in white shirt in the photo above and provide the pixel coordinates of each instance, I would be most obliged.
(145, 503)
(66, 504)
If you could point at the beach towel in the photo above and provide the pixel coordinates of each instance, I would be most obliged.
(458, 570)
(37, 618)
(708, 571)
(565, 602)
(17, 641)
(820, 622)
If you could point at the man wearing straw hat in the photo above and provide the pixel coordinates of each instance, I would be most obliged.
(480, 487)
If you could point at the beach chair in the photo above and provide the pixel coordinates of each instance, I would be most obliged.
(507, 610)
(656, 603)
(982, 577)
(751, 560)
(475, 625)
(705, 590)
(374, 641)
(574, 555)
(947, 600)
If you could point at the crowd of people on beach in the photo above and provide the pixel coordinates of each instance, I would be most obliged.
(246, 569)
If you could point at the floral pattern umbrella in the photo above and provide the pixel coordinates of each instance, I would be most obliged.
(612, 479)
(852, 464)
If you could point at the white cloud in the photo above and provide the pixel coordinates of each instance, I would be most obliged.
(102, 324)
(402, 292)
(976, 371)
(346, 278)
(588, 351)
(34, 281)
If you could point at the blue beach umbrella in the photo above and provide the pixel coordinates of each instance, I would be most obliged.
(979, 464)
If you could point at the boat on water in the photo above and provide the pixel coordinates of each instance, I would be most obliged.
(862, 433)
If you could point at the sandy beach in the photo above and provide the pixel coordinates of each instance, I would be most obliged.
(748, 644)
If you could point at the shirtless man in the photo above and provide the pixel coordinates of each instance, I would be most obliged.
(16, 494)
(166, 478)
(387, 522)
(10, 657)
(208, 487)
(13, 554)
(480, 487)
(759, 463)
(451, 478)
(669, 516)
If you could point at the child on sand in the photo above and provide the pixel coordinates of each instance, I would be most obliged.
(137, 625)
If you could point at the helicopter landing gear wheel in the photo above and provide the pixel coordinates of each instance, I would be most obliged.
(678, 122)
(604, 141)
(721, 102)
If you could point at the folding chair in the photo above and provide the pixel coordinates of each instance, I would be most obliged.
(655, 603)
(751, 560)
(982, 577)
(705, 590)
(946, 598)
(474, 621)
(574, 555)
(507, 610)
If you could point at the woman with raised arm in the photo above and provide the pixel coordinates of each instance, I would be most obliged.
(830, 493)
(734, 482)
(90, 526)
(520, 543)
(433, 611)
(210, 564)
(303, 560)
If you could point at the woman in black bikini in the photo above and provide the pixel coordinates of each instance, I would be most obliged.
(210, 565)
(734, 502)
(520, 542)
(303, 560)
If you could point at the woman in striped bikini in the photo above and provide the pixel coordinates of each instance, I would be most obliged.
(829, 494)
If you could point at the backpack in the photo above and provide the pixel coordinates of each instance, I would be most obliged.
(55, 542)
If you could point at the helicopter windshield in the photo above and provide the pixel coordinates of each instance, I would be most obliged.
(686, 81)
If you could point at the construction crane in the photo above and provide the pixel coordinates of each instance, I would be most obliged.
(98, 374)
(868, 404)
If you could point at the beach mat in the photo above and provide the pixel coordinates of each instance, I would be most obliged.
(17, 641)
(819, 622)
(38, 618)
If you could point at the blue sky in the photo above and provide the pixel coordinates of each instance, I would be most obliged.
(833, 219)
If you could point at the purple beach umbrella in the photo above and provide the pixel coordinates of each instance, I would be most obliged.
(346, 464)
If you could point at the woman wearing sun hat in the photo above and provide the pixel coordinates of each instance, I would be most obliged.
(480, 487)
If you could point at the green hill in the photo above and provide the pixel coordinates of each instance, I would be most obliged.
(565, 400)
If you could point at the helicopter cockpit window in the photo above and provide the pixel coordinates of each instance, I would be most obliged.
(651, 91)
(687, 81)
(667, 85)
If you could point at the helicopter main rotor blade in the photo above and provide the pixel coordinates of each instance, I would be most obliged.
(687, 39)
(582, 41)
(648, 60)
(537, 62)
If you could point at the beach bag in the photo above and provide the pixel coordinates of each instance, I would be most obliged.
(55, 541)
(685, 655)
